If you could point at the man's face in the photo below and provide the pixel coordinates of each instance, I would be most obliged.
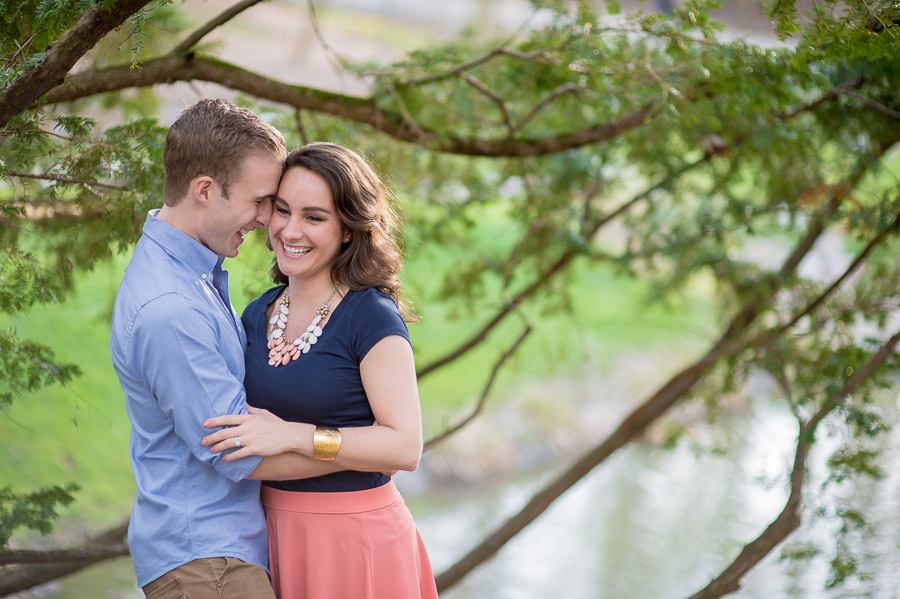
(248, 205)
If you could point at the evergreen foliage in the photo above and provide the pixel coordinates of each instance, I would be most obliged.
(650, 142)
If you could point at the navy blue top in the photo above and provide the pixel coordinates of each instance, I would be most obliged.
(322, 387)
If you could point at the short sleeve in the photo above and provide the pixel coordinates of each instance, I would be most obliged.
(376, 317)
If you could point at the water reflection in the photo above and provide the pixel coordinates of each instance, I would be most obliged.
(660, 524)
(648, 524)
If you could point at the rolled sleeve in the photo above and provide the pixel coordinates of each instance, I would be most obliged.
(178, 352)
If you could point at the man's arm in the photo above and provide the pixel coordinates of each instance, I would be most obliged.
(175, 346)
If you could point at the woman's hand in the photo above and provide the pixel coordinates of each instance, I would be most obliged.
(258, 433)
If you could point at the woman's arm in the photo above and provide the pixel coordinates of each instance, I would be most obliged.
(291, 466)
(393, 443)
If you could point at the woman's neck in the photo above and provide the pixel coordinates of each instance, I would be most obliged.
(311, 291)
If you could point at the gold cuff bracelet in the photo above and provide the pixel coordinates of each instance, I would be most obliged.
(326, 443)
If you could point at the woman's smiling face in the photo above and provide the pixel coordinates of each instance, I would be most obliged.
(305, 230)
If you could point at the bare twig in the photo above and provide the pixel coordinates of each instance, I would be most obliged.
(825, 98)
(20, 49)
(61, 179)
(840, 397)
(340, 63)
(670, 35)
(544, 54)
(407, 117)
(566, 88)
(877, 18)
(870, 102)
(786, 523)
(666, 88)
(194, 38)
(301, 129)
(484, 394)
(494, 97)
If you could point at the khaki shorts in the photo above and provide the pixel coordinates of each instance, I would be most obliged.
(212, 578)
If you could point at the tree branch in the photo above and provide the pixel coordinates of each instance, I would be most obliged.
(194, 38)
(544, 54)
(61, 179)
(548, 274)
(786, 523)
(88, 555)
(84, 35)
(492, 95)
(853, 383)
(640, 418)
(484, 394)
(16, 579)
(172, 68)
(870, 102)
(848, 272)
(789, 518)
(566, 88)
(855, 83)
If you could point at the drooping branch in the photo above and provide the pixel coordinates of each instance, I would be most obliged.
(20, 578)
(884, 352)
(194, 38)
(507, 309)
(333, 55)
(854, 266)
(789, 518)
(172, 68)
(562, 262)
(639, 419)
(870, 102)
(780, 528)
(831, 94)
(84, 35)
(484, 394)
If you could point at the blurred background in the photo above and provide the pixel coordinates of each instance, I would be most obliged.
(662, 515)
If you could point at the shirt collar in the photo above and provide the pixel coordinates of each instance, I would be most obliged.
(194, 254)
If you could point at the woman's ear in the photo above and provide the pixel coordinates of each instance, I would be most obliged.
(347, 236)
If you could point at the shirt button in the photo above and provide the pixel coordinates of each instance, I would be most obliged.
(203, 276)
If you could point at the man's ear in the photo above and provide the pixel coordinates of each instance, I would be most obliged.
(202, 188)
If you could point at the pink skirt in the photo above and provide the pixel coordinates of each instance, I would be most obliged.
(359, 545)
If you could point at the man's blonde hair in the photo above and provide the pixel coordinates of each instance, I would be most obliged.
(213, 138)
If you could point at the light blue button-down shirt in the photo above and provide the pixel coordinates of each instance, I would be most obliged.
(178, 348)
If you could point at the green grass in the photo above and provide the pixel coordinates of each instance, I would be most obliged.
(81, 432)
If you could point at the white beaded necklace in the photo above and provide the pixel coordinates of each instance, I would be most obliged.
(282, 351)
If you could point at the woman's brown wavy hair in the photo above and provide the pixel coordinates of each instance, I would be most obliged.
(372, 257)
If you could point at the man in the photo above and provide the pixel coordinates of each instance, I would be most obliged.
(197, 528)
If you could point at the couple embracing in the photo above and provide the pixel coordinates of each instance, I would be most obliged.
(262, 446)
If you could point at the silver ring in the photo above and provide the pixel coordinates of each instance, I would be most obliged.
(237, 441)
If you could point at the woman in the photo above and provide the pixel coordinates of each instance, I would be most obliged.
(330, 372)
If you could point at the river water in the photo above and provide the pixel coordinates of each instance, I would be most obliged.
(648, 523)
